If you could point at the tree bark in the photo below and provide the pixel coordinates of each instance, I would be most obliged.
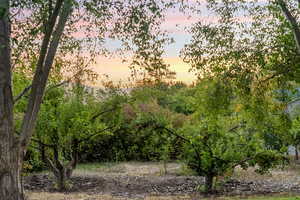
(10, 158)
(209, 180)
(13, 148)
(296, 153)
(61, 172)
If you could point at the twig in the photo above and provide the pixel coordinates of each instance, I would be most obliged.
(22, 93)
(43, 144)
(98, 132)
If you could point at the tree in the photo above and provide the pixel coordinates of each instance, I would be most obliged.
(220, 135)
(13, 147)
(252, 47)
(135, 137)
(64, 126)
(55, 17)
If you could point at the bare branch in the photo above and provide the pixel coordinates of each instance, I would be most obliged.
(242, 124)
(275, 75)
(185, 139)
(57, 85)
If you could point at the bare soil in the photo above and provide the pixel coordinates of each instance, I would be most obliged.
(140, 180)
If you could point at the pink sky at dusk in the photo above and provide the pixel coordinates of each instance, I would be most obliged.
(176, 24)
(118, 71)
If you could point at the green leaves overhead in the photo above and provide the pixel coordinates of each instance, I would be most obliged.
(251, 44)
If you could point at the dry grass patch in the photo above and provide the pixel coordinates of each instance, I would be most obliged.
(127, 168)
(82, 196)
(61, 196)
(289, 173)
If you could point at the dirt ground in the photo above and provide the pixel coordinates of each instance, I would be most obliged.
(151, 181)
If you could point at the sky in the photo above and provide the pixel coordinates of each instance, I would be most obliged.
(176, 24)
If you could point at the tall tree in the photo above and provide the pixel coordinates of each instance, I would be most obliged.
(123, 20)
(13, 147)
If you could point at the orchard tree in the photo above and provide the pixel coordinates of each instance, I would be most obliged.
(136, 21)
(253, 45)
(221, 136)
(64, 125)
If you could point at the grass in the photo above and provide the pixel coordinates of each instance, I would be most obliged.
(96, 166)
(131, 168)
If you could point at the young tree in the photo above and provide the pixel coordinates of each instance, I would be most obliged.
(63, 127)
(119, 18)
(220, 136)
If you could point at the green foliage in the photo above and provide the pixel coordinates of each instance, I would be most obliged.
(33, 162)
(65, 118)
(136, 118)
(220, 137)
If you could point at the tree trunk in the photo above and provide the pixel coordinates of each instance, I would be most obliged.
(62, 174)
(209, 180)
(10, 157)
(41, 75)
(12, 148)
(62, 180)
(10, 177)
(296, 153)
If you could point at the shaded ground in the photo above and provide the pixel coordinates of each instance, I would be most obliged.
(141, 180)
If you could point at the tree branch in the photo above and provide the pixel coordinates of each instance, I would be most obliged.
(103, 112)
(25, 91)
(42, 143)
(47, 55)
(98, 132)
(185, 139)
(175, 134)
(298, 3)
(292, 21)
(275, 75)
(109, 110)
